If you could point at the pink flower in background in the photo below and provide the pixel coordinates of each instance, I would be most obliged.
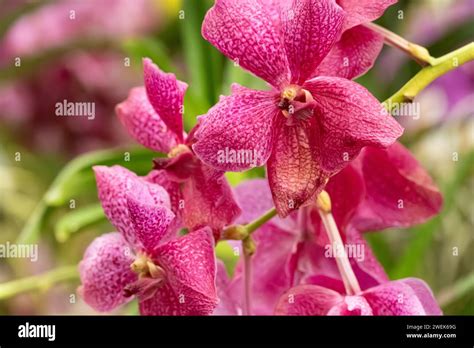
(200, 195)
(27, 106)
(56, 24)
(409, 296)
(96, 76)
(293, 251)
(169, 275)
(305, 129)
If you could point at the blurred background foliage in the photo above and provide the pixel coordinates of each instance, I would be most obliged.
(47, 189)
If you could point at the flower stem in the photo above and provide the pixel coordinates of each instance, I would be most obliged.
(255, 224)
(425, 76)
(240, 232)
(343, 264)
(38, 282)
(247, 307)
(419, 53)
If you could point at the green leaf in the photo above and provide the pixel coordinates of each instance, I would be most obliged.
(77, 178)
(225, 253)
(235, 74)
(78, 174)
(236, 178)
(149, 47)
(78, 219)
(204, 62)
(40, 282)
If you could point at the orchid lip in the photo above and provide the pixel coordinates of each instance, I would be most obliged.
(294, 98)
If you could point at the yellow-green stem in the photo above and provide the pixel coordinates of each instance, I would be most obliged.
(428, 74)
(255, 224)
(38, 282)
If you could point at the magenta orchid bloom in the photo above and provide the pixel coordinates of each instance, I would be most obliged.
(358, 47)
(293, 251)
(409, 296)
(146, 259)
(200, 195)
(305, 128)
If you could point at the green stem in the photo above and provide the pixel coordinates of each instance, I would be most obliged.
(257, 223)
(241, 232)
(38, 282)
(428, 74)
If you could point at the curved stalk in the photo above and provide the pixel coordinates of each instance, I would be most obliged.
(425, 76)
(348, 276)
(38, 282)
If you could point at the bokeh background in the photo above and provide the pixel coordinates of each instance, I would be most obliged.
(47, 190)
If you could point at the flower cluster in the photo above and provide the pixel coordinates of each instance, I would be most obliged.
(334, 171)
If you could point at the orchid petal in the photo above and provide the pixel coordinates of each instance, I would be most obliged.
(190, 266)
(307, 300)
(166, 95)
(363, 11)
(294, 170)
(353, 55)
(105, 271)
(209, 200)
(349, 118)
(243, 31)
(310, 29)
(151, 223)
(236, 134)
(402, 297)
(400, 193)
(114, 185)
(143, 123)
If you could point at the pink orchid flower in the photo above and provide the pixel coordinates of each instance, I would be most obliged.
(409, 296)
(146, 259)
(200, 195)
(305, 128)
(366, 196)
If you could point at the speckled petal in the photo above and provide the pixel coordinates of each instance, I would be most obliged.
(208, 200)
(105, 271)
(243, 31)
(166, 95)
(399, 192)
(294, 170)
(143, 123)
(353, 55)
(309, 28)
(409, 296)
(190, 266)
(173, 188)
(349, 119)
(151, 223)
(307, 300)
(363, 11)
(114, 185)
(236, 134)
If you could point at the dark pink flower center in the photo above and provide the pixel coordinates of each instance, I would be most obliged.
(296, 103)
